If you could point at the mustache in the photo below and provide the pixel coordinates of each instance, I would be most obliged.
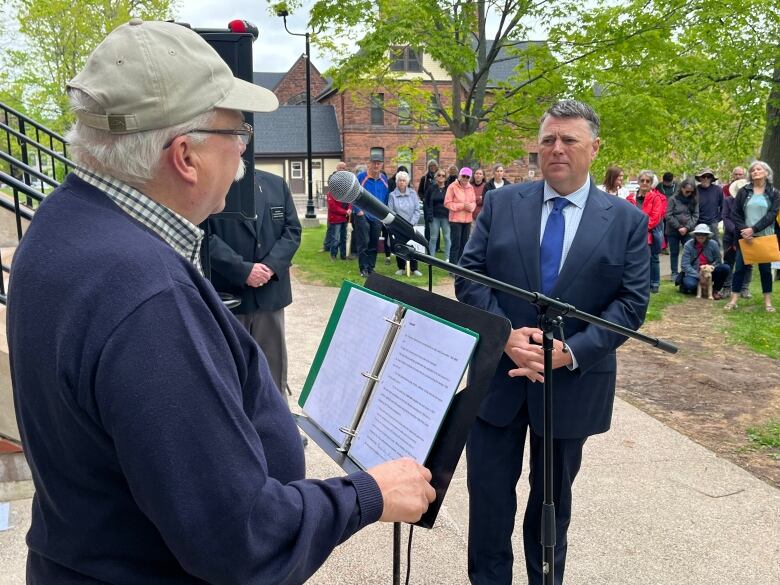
(241, 170)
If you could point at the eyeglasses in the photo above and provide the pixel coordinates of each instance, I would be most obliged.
(710, 177)
(244, 133)
(441, 175)
(644, 180)
(686, 192)
(465, 176)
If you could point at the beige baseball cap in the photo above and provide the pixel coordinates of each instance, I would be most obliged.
(151, 74)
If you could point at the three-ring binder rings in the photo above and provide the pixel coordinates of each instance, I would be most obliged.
(384, 376)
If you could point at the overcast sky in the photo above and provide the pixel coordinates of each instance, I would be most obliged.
(275, 50)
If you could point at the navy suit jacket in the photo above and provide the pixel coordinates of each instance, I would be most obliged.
(272, 238)
(606, 273)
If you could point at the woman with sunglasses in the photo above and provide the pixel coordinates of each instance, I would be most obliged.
(682, 215)
(653, 205)
(461, 202)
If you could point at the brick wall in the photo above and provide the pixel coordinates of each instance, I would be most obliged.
(293, 84)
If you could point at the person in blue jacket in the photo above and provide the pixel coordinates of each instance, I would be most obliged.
(160, 448)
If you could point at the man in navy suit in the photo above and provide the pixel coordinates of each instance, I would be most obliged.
(563, 237)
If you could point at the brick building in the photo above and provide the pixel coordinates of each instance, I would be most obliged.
(365, 124)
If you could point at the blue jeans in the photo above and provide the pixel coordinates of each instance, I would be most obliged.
(338, 239)
(438, 223)
(368, 237)
(676, 241)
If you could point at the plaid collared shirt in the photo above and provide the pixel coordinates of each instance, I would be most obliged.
(179, 233)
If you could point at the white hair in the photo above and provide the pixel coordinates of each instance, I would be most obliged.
(133, 158)
(402, 176)
(766, 167)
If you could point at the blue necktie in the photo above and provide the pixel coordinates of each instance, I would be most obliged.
(552, 245)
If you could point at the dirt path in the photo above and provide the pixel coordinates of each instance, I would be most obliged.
(709, 391)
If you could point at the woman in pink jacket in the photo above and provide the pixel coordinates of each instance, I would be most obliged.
(461, 201)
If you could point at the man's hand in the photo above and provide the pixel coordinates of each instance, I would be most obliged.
(525, 349)
(406, 489)
(747, 233)
(259, 275)
(683, 231)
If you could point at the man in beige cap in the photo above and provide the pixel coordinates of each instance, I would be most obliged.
(160, 449)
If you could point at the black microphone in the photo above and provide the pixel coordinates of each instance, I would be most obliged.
(344, 187)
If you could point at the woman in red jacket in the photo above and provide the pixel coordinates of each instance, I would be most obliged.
(338, 218)
(653, 205)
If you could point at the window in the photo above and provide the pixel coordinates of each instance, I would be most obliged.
(378, 109)
(433, 111)
(376, 150)
(296, 170)
(431, 154)
(405, 59)
(405, 156)
(533, 159)
(404, 113)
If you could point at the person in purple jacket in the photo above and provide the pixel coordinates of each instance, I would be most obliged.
(160, 449)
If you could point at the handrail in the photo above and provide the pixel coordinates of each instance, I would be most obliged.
(18, 185)
(28, 169)
(53, 153)
(33, 122)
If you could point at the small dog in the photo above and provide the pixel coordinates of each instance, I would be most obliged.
(705, 281)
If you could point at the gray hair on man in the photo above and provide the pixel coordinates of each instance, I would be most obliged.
(650, 175)
(134, 157)
(769, 174)
(574, 109)
(402, 176)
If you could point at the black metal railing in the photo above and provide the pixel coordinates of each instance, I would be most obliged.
(33, 161)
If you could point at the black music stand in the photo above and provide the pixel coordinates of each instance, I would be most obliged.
(449, 443)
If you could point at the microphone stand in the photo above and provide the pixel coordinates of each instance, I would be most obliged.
(551, 313)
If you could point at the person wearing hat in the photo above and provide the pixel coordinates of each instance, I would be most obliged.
(702, 249)
(710, 198)
(461, 200)
(367, 226)
(160, 448)
(730, 238)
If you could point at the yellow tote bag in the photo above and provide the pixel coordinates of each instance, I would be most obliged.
(760, 250)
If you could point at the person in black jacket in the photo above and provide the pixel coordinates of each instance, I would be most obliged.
(682, 215)
(498, 179)
(251, 259)
(754, 214)
(434, 209)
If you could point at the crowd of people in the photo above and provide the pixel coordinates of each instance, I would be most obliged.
(448, 202)
(687, 216)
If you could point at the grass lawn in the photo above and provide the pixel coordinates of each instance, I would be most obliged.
(667, 295)
(751, 326)
(316, 267)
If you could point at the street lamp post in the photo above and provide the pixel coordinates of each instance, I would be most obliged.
(310, 198)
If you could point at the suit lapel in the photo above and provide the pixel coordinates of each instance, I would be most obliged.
(594, 224)
(526, 214)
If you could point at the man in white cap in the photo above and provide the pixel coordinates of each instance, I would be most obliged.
(160, 449)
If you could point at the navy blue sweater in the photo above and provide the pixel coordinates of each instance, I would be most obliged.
(160, 449)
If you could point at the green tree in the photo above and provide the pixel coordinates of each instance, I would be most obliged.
(53, 41)
(680, 83)
(489, 115)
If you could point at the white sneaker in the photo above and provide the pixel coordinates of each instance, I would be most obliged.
(417, 273)
(400, 272)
